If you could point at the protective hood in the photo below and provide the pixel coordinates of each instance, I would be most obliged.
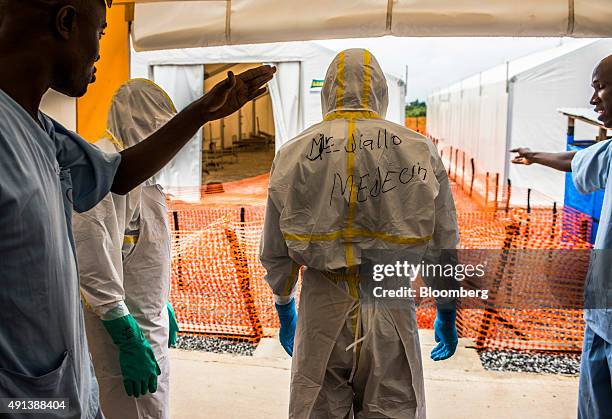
(138, 109)
(354, 184)
(355, 81)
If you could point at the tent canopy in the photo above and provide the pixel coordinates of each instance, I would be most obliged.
(197, 23)
(313, 58)
(516, 105)
(294, 94)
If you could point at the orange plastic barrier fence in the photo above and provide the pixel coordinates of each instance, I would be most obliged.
(217, 280)
(218, 285)
(493, 215)
(531, 240)
(418, 124)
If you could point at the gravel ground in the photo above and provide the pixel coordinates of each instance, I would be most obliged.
(215, 345)
(547, 363)
(515, 361)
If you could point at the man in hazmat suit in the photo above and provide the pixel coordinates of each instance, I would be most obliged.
(344, 191)
(123, 252)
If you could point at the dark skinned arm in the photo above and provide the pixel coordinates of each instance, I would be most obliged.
(559, 161)
(140, 162)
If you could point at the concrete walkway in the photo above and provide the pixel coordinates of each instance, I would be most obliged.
(214, 386)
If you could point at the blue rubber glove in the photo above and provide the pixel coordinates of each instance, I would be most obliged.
(287, 315)
(173, 326)
(445, 333)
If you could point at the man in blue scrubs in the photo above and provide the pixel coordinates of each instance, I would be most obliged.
(45, 172)
(591, 169)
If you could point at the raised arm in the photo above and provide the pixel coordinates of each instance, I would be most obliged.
(559, 161)
(148, 157)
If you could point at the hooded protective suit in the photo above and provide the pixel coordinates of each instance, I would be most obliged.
(123, 249)
(345, 190)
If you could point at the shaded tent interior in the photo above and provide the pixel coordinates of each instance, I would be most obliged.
(292, 104)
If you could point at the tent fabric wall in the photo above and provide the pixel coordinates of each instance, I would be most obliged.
(472, 118)
(396, 110)
(61, 108)
(515, 104)
(188, 24)
(537, 94)
(285, 94)
(313, 61)
(313, 58)
(184, 84)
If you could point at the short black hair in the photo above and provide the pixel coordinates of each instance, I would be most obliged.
(39, 9)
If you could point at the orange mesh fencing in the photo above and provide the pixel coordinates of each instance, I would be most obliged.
(418, 124)
(217, 280)
(531, 240)
(489, 219)
(218, 285)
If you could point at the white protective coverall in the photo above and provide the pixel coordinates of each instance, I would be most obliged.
(352, 184)
(123, 251)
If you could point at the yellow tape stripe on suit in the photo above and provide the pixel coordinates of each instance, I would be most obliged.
(116, 142)
(130, 239)
(322, 237)
(349, 233)
(351, 115)
(341, 82)
(350, 218)
(291, 279)
(367, 78)
(356, 232)
(350, 157)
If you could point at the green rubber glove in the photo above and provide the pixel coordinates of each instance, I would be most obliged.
(174, 328)
(136, 358)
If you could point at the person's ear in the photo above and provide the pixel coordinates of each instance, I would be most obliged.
(65, 21)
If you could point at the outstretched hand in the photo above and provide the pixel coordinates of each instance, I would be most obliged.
(524, 155)
(235, 91)
(148, 157)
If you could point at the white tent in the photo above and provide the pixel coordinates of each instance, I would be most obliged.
(181, 24)
(516, 104)
(295, 98)
(61, 108)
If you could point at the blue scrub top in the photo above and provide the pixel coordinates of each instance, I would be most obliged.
(44, 174)
(590, 170)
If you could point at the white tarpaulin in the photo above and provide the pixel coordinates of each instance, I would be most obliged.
(517, 105)
(296, 100)
(285, 94)
(184, 84)
(182, 24)
(61, 108)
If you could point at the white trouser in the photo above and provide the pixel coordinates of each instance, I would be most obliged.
(115, 402)
(381, 373)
